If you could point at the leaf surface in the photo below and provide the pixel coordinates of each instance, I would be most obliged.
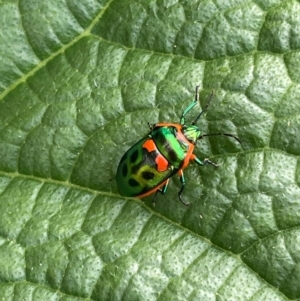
(79, 82)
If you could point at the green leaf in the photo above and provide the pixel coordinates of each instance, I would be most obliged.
(79, 80)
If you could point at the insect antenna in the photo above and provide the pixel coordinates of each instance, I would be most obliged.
(207, 104)
(221, 134)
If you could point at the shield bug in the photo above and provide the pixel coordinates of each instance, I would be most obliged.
(166, 150)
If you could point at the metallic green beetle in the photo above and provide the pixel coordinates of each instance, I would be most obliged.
(166, 150)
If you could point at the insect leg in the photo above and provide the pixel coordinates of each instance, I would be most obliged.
(182, 180)
(161, 190)
(204, 162)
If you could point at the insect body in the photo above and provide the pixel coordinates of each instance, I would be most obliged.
(167, 149)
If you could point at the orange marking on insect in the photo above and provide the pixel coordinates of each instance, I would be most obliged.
(162, 163)
(149, 145)
(160, 160)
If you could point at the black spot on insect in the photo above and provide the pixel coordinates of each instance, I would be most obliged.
(173, 155)
(133, 183)
(162, 139)
(148, 175)
(124, 170)
(134, 156)
(135, 169)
